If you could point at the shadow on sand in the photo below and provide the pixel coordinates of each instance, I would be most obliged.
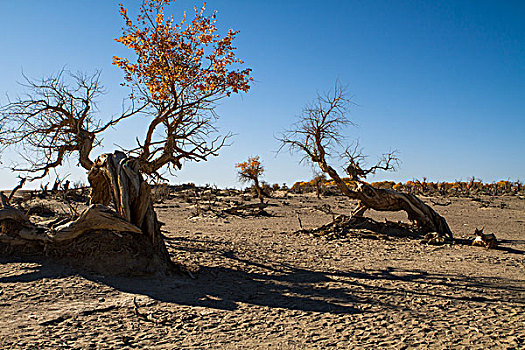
(290, 287)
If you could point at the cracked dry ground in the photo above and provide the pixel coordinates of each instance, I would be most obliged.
(261, 286)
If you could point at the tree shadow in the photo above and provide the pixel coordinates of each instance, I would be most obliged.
(292, 288)
(511, 250)
(215, 287)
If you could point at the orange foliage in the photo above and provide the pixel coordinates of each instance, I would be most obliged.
(251, 169)
(430, 188)
(187, 60)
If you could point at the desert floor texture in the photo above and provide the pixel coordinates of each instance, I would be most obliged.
(259, 285)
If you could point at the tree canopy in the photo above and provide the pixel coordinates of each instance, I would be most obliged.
(180, 70)
(177, 73)
(250, 170)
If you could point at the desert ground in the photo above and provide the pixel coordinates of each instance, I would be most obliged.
(254, 283)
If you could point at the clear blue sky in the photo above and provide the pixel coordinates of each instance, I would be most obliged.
(443, 82)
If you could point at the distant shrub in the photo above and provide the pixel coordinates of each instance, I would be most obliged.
(456, 188)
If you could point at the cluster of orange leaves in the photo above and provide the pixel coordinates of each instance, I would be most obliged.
(188, 57)
(250, 169)
(416, 186)
(452, 187)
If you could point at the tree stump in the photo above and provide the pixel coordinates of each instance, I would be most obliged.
(116, 178)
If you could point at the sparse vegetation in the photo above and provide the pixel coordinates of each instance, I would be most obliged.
(416, 187)
(252, 170)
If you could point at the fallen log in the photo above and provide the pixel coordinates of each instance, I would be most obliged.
(253, 209)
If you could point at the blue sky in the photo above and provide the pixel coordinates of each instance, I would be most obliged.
(441, 82)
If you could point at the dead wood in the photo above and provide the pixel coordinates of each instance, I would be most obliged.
(441, 204)
(344, 226)
(115, 178)
(17, 187)
(7, 212)
(4, 201)
(96, 217)
(54, 119)
(100, 240)
(253, 209)
(10, 213)
(390, 200)
(325, 208)
(318, 132)
(126, 240)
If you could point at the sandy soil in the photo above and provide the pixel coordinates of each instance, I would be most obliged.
(262, 286)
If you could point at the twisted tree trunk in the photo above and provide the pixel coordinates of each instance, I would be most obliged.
(258, 189)
(127, 241)
(389, 200)
(116, 178)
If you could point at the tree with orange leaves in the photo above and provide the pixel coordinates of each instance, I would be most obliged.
(251, 170)
(179, 71)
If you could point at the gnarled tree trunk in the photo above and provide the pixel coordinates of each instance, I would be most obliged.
(116, 178)
(127, 241)
(389, 200)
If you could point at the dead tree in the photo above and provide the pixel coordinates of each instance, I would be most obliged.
(318, 133)
(176, 88)
(318, 181)
(17, 187)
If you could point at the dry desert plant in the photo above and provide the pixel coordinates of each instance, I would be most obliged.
(252, 170)
(318, 133)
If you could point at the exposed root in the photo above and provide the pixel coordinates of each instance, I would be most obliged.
(99, 241)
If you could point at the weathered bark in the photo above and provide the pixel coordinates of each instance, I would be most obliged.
(127, 241)
(96, 218)
(116, 178)
(390, 200)
(259, 190)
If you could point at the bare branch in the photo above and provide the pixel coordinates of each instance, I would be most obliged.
(17, 187)
(354, 158)
(318, 131)
(55, 118)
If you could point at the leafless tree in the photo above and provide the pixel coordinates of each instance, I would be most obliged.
(55, 118)
(318, 133)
